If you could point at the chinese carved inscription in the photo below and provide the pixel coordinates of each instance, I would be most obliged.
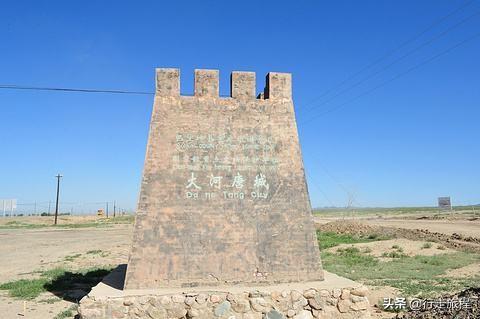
(212, 172)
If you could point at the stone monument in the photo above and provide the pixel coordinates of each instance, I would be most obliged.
(223, 197)
(224, 227)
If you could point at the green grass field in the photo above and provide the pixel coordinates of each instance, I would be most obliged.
(330, 239)
(421, 276)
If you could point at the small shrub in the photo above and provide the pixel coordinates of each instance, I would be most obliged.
(67, 313)
(427, 245)
(72, 257)
(397, 248)
(352, 250)
(441, 247)
(366, 250)
(394, 254)
(94, 252)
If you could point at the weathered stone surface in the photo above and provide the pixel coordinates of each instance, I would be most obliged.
(165, 300)
(361, 291)
(257, 228)
(337, 292)
(178, 298)
(222, 308)
(217, 305)
(157, 313)
(345, 294)
(274, 314)
(189, 300)
(259, 304)
(276, 295)
(202, 298)
(177, 312)
(310, 293)
(318, 302)
(215, 298)
(344, 305)
(282, 304)
(296, 295)
(360, 305)
(332, 301)
(333, 312)
(193, 313)
(300, 303)
(240, 305)
(223, 196)
(354, 298)
(304, 315)
(91, 313)
(118, 314)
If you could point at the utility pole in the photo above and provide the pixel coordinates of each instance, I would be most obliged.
(49, 205)
(106, 209)
(58, 193)
(114, 208)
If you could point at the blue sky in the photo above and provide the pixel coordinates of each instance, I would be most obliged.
(406, 142)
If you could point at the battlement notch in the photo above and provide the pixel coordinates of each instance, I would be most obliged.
(242, 84)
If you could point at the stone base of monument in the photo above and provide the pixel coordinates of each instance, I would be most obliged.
(335, 297)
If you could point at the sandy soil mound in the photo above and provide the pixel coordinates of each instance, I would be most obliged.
(454, 241)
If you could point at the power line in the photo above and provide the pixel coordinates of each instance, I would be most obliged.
(431, 26)
(421, 46)
(399, 75)
(318, 163)
(36, 88)
(389, 53)
(320, 190)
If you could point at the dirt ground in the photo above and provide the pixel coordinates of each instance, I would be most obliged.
(27, 250)
(41, 249)
(445, 226)
(24, 251)
(465, 228)
(408, 247)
